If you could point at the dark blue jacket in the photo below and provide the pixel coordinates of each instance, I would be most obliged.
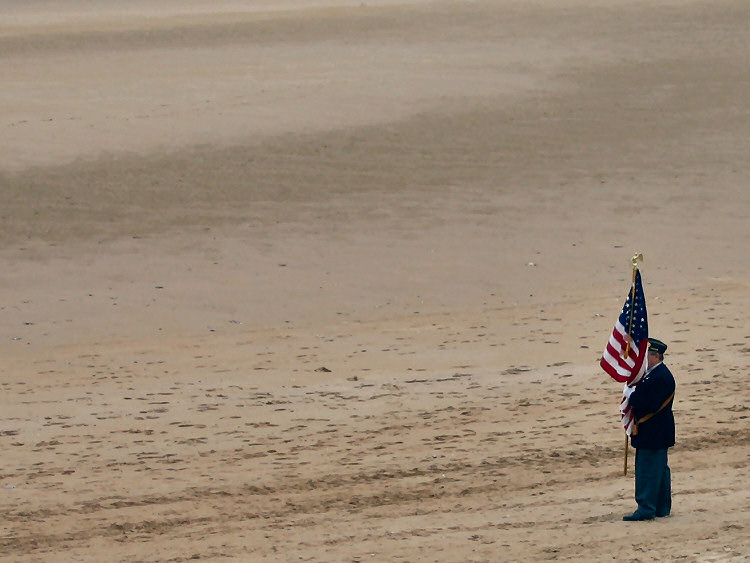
(649, 395)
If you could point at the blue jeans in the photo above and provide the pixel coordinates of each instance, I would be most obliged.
(653, 483)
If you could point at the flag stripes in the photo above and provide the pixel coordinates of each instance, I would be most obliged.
(615, 363)
(631, 333)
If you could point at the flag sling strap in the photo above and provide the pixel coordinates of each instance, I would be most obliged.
(648, 416)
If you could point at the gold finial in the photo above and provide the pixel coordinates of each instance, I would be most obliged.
(634, 260)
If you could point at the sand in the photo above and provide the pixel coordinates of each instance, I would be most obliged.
(328, 280)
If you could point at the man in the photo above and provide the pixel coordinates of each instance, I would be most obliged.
(651, 401)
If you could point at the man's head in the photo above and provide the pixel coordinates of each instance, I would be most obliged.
(656, 349)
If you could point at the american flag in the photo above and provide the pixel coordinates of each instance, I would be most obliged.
(630, 368)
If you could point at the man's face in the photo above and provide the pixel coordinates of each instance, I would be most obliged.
(653, 359)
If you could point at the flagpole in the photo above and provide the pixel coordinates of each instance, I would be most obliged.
(634, 262)
(625, 457)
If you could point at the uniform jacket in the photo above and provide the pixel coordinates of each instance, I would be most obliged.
(649, 395)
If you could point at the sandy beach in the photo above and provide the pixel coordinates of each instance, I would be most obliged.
(329, 280)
